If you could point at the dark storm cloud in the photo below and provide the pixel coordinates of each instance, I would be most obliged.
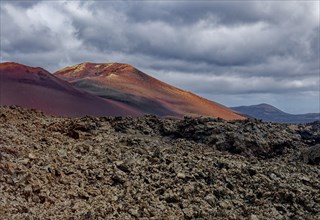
(210, 47)
(186, 12)
(22, 3)
(223, 34)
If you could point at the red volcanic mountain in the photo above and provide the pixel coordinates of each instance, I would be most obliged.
(123, 82)
(34, 87)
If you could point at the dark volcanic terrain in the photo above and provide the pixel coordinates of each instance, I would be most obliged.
(151, 168)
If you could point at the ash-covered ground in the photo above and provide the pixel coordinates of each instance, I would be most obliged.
(151, 168)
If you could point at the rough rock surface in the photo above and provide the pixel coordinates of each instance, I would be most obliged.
(151, 168)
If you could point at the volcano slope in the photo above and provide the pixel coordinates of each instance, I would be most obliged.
(123, 82)
(34, 87)
(151, 168)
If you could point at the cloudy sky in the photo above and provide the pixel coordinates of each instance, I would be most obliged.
(232, 52)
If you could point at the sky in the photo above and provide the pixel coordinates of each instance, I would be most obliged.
(232, 52)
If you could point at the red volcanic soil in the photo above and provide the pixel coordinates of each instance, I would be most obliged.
(34, 87)
(125, 79)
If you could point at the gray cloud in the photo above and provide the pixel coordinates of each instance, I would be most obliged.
(212, 48)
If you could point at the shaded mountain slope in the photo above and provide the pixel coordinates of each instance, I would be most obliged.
(125, 83)
(146, 105)
(270, 113)
(34, 87)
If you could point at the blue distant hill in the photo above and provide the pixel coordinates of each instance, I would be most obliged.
(270, 113)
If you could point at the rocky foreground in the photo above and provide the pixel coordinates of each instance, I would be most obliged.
(151, 168)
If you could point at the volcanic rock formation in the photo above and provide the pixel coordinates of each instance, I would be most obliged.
(34, 87)
(123, 82)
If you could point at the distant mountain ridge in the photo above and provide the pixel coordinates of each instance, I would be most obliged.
(270, 113)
